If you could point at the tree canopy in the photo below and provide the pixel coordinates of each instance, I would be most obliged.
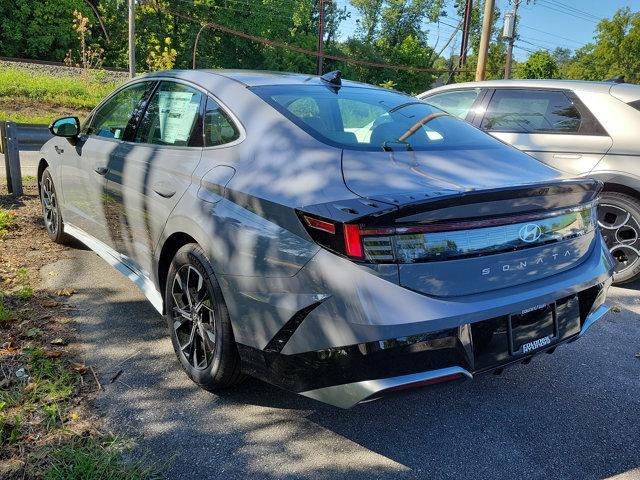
(398, 32)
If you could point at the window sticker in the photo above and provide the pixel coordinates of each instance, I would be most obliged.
(177, 114)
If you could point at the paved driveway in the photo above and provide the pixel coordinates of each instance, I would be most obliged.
(571, 415)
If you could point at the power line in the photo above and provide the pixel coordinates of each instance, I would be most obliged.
(564, 12)
(274, 43)
(551, 42)
(534, 44)
(572, 8)
(549, 33)
(522, 48)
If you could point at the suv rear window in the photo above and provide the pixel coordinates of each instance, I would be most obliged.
(361, 118)
(531, 111)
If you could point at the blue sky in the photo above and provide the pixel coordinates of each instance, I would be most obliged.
(544, 23)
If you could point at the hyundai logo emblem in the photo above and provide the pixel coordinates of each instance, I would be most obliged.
(530, 232)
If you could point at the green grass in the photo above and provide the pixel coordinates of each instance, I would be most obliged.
(53, 383)
(7, 220)
(71, 92)
(25, 117)
(93, 459)
(5, 313)
(25, 292)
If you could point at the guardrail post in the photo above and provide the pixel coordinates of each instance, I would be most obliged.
(12, 158)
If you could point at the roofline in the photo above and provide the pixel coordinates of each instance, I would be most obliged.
(530, 83)
(304, 79)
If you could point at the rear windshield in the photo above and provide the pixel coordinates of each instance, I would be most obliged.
(360, 118)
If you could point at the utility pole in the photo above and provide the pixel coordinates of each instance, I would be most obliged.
(466, 22)
(510, 29)
(132, 39)
(320, 37)
(481, 69)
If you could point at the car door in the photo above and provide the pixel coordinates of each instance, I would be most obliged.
(86, 163)
(155, 169)
(554, 126)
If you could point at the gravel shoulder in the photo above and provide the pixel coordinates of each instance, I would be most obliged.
(573, 414)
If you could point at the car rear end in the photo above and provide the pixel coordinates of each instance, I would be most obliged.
(442, 267)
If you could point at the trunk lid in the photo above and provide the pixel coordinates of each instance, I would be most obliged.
(425, 173)
(461, 226)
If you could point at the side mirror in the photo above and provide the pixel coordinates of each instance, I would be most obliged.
(68, 127)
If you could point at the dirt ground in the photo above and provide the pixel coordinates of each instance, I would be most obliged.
(45, 389)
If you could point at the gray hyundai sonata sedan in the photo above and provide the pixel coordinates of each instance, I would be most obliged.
(333, 238)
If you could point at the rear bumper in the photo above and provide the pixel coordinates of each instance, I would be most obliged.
(346, 376)
(350, 394)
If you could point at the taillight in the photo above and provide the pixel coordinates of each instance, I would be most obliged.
(352, 240)
(450, 240)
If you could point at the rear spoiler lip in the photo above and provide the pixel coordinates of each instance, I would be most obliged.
(386, 209)
(589, 188)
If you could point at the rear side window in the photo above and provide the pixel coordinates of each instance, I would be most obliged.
(535, 111)
(456, 103)
(172, 117)
(218, 127)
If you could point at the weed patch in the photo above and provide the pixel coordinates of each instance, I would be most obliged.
(97, 459)
(7, 221)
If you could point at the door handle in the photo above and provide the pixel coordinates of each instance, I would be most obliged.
(101, 170)
(59, 150)
(164, 189)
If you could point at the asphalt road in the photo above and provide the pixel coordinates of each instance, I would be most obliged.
(571, 415)
(28, 164)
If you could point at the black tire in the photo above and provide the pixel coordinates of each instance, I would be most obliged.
(619, 220)
(51, 209)
(194, 331)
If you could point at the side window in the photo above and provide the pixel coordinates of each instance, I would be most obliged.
(111, 120)
(531, 111)
(172, 117)
(456, 103)
(218, 127)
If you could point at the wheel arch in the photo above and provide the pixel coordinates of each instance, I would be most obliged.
(170, 247)
(619, 183)
(42, 165)
(621, 188)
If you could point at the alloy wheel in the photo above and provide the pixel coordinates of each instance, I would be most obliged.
(620, 231)
(50, 205)
(193, 317)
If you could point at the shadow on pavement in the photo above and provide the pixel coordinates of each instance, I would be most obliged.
(574, 414)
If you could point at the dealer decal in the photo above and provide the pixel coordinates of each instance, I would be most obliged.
(541, 342)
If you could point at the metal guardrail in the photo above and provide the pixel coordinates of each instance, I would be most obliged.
(13, 138)
(31, 137)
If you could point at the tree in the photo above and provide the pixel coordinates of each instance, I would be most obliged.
(540, 64)
(497, 46)
(40, 30)
(616, 50)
